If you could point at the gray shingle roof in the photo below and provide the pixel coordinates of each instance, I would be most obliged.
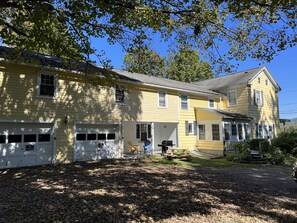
(162, 82)
(239, 78)
(224, 113)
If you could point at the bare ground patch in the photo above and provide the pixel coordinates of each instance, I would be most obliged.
(144, 193)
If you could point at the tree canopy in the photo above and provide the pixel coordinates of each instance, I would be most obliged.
(144, 60)
(185, 65)
(221, 30)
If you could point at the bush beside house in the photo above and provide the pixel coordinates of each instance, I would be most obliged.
(281, 150)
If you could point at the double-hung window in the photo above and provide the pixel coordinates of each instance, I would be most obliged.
(47, 85)
(215, 132)
(162, 100)
(120, 94)
(211, 103)
(232, 98)
(258, 97)
(201, 132)
(184, 102)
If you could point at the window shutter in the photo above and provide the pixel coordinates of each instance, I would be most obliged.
(126, 97)
(149, 131)
(195, 128)
(257, 131)
(262, 98)
(187, 127)
(56, 87)
(255, 97)
(137, 131)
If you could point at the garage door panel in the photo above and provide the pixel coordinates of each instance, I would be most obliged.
(25, 144)
(96, 141)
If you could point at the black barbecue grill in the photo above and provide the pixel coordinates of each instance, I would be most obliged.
(165, 144)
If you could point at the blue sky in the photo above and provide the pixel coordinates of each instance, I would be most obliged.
(283, 67)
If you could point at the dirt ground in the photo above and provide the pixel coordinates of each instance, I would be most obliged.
(136, 192)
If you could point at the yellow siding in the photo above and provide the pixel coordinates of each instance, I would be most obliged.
(269, 112)
(189, 142)
(210, 145)
(242, 101)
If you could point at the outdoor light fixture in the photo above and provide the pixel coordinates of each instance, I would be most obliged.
(66, 119)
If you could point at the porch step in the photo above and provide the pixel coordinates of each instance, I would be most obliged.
(258, 159)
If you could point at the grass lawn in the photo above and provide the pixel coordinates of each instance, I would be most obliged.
(152, 190)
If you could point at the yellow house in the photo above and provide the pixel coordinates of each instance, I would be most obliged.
(53, 110)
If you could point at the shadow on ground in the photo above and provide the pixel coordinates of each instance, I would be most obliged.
(105, 192)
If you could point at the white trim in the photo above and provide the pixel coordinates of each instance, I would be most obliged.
(180, 102)
(270, 77)
(97, 123)
(235, 97)
(56, 85)
(214, 103)
(27, 121)
(166, 100)
(124, 87)
(193, 126)
(261, 97)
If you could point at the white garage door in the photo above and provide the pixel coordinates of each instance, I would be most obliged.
(96, 141)
(26, 144)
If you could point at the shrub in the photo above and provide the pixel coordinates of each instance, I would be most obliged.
(287, 142)
(242, 153)
(274, 155)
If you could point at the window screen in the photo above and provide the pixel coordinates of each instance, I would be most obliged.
(240, 132)
(162, 99)
(227, 131)
(215, 132)
(184, 102)
(201, 132)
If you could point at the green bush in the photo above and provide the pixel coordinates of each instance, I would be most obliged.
(242, 153)
(287, 142)
(274, 155)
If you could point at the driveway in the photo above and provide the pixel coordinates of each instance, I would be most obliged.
(136, 192)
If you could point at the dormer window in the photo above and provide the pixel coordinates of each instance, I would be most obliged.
(232, 98)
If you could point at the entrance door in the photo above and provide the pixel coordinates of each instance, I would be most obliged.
(234, 137)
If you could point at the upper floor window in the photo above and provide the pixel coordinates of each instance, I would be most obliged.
(47, 85)
(259, 80)
(162, 101)
(211, 103)
(120, 94)
(266, 82)
(215, 132)
(232, 98)
(258, 97)
(184, 102)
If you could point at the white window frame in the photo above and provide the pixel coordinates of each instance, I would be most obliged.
(166, 99)
(259, 80)
(212, 132)
(199, 132)
(191, 123)
(261, 97)
(55, 96)
(184, 109)
(260, 134)
(214, 103)
(233, 91)
(124, 90)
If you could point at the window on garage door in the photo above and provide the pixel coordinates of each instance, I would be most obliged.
(14, 138)
(30, 138)
(44, 138)
(80, 137)
(2, 139)
(111, 136)
(91, 136)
